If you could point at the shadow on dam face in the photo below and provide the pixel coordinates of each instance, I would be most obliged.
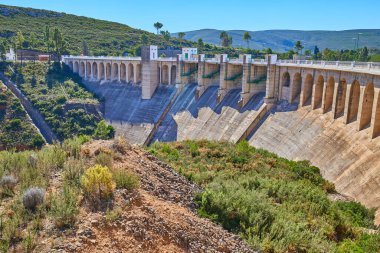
(186, 101)
(123, 103)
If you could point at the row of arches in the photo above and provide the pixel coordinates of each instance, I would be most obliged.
(167, 75)
(108, 71)
(354, 102)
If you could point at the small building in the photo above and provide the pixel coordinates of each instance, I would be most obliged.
(43, 57)
(189, 53)
(10, 56)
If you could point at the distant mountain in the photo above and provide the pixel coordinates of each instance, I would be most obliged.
(283, 40)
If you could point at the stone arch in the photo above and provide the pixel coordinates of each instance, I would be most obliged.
(285, 80)
(94, 70)
(71, 65)
(82, 69)
(296, 88)
(329, 94)
(165, 74)
(101, 71)
(138, 73)
(76, 67)
(307, 90)
(376, 121)
(367, 105)
(108, 71)
(353, 102)
(88, 69)
(318, 92)
(340, 98)
(123, 72)
(173, 74)
(115, 72)
(130, 72)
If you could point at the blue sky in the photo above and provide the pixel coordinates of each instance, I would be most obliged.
(253, 15)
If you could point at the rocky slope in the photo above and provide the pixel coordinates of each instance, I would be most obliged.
(158, 217)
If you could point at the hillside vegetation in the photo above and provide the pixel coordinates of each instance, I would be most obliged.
(16, 129)
(101, 196)
(277, 205)
(60, 97)
(102, 37)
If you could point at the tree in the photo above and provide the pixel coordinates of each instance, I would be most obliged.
(308, 52)
(363, 54)
(223, 35)
(166, 35)
(181, 35)
(85, 48)
(158, 26)
(200, 45)
(32, 40)
(226, 40)
(316, 50)
(247, 37)
(268, 51)
(298, 46)
(2, 50)
(59, 43)
(19, 43)
(144, 39)
(104, 131)
(47, 39)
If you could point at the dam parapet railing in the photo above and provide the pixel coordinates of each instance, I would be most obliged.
(344, 65)
(336, 65)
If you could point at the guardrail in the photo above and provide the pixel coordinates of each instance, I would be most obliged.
(338, 64)
(372, 66)
(119, 58)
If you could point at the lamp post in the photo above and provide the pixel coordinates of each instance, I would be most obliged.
(357, 42)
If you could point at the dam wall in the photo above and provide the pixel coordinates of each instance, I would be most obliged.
(346, 156)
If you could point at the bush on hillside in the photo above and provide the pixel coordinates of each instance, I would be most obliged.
(275, 204)
(64, 208)
(33, 197)
(98, 185)
(125, 179)
(104, 131)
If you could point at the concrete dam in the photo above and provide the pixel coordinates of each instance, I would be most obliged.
(324, 112)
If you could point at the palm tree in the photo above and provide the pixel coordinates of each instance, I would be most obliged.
(181, 35)
(158, 26)
(223, 35)
(298, 46)
(247, 37)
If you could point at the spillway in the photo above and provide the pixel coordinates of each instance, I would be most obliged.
(227, 111)
(131, 116)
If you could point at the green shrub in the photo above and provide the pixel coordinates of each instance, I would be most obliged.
(113, 215)
(72, 171)
(104, 159)
(64, 209)
(125, 179)
(104, 131)
(275, 204)
(98, 185)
